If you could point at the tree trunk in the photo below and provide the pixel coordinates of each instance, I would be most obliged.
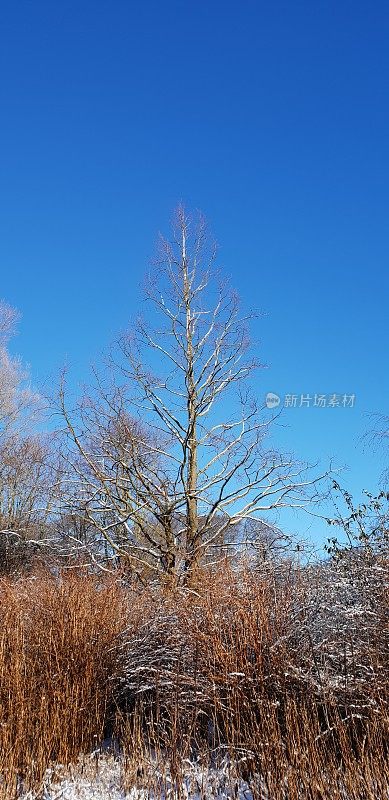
(191, 443)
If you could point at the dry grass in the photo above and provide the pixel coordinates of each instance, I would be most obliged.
(57, 660)
(230, 672)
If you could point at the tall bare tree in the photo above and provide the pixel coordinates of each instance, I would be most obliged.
(171, 458)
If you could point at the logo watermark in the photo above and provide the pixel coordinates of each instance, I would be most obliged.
(272, 400)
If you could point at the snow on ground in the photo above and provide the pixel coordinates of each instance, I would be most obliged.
(87, 780)
(101, 778)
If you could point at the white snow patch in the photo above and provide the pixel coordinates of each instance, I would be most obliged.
(102, 779)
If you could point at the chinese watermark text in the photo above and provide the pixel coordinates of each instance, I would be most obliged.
(313, 400)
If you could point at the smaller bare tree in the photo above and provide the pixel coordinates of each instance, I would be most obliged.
(17, 400)
(378, 438)
(27, 482)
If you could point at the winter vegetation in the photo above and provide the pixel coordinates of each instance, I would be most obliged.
(160, 635)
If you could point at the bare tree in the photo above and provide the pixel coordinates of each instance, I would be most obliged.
(27, 499)
(17, 401)
(172, 457)
(28, 467)
(378, 438)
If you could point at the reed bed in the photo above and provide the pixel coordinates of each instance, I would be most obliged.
(232, 676)
(57, 662)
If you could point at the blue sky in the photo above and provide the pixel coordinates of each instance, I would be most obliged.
(272, 118)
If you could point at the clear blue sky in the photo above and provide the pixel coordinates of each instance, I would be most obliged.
(270, 117)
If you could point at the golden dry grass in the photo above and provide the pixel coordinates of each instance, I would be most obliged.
(57, 657)
(220, 671)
